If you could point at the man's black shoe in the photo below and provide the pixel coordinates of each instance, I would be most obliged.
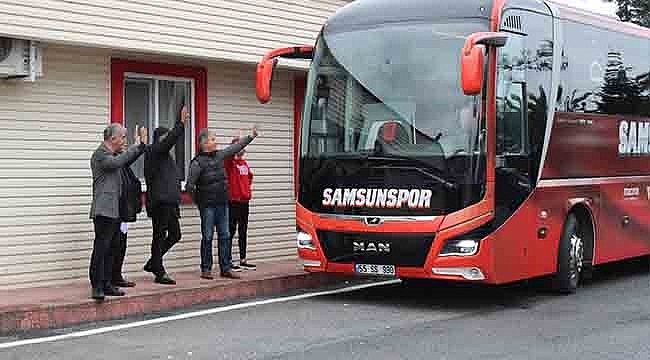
(165, 280)
(230, 275)
(124, 283)
(235, 267)
(97, 294)
(248, 266)
(147, 267)
(113, 291)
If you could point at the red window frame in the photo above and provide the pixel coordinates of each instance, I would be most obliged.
(119, 67)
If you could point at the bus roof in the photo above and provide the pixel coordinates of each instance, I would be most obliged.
(364, 13)
(598, 20)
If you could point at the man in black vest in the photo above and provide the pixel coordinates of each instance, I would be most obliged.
(163, 181)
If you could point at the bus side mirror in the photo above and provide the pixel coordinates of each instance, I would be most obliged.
(265, 67)
(471, 72)
(472, 59)
(264, 78)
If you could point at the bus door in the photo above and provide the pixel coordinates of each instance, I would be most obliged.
(524, 67)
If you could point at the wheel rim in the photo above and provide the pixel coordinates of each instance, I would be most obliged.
(576, 257)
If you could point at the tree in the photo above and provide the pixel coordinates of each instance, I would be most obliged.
(635, 11)
(619, 94)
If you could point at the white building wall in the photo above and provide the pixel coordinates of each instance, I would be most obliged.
(49, 128)
(48, 131)
(236, 30)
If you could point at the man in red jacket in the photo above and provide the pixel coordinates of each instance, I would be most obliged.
(240, 179)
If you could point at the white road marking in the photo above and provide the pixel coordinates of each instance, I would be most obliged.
(190, 315)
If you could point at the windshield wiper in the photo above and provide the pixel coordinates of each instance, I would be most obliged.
(371, 155)
(448, 184)
(361, 154)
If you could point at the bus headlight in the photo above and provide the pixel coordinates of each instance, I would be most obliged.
(305, 241)
(460, 247)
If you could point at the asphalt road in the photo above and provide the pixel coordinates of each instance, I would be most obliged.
(609, 318)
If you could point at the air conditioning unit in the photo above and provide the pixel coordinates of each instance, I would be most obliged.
(20, 59)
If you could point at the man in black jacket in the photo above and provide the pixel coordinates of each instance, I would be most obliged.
(163, 195)
(208, 184)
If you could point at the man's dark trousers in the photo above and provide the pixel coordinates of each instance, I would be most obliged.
(166, 233)
(107, 238)
(118, 258)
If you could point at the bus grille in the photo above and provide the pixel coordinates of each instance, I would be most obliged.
(376, 248)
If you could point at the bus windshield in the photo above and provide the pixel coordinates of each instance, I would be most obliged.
(384, 109)
(390, 90)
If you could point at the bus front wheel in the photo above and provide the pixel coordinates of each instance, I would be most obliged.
(570, 260)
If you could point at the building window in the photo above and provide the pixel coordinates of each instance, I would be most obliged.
(150, 94)
(153, 101)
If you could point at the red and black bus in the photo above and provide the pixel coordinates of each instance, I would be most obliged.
(473, 140)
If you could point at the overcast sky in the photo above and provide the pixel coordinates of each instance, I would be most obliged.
(593, 5)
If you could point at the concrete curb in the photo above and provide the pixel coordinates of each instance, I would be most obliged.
(46, 316)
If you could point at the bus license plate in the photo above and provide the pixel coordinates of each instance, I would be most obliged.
(370, 269)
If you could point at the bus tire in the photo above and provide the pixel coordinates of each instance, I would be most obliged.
(570, 260)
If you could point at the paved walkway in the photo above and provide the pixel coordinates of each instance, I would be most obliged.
(57, 306)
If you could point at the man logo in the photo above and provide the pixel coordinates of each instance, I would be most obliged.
(373, 221)
(377, 247)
